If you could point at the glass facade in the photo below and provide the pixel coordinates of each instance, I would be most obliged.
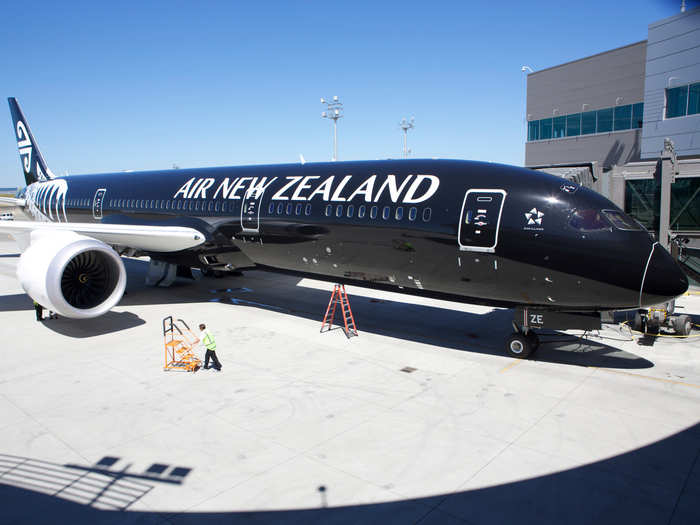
(573, 125)
(545, 128)
(604, 120)
(588, 122)
(637, 115)
(676, 102)
(683, 100)
(559, 127)
(643, 198)
(623, 117)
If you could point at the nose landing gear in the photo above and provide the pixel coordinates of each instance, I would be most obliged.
(522, 344)
(525, 341)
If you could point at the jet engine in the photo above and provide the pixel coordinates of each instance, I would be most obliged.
(73, 275)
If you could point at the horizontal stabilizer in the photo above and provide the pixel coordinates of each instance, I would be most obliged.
(11, 202)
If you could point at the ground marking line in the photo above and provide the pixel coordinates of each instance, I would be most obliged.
(515, 363)
(660, 379)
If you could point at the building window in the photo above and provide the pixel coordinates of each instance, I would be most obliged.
(588, 122)
(676, 102)
(694, 99)
(573, 125)
(559, 127)
(637, 115)
(605, 120)
(533, 130)
(545, 128)
(623, 117)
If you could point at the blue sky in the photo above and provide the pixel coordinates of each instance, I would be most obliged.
(146, 85)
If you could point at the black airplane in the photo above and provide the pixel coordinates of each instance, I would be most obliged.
(458, 230)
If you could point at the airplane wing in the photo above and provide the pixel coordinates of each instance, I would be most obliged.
(149, 238)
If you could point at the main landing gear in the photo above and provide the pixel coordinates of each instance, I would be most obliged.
(525, 341)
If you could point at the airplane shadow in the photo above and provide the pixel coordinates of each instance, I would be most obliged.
(656, 483)
(451, 329)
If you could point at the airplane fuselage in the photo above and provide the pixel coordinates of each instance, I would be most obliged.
(460, 230)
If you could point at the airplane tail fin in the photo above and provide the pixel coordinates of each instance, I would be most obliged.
(33, 164)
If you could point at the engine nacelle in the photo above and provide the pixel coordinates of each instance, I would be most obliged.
(73, 275)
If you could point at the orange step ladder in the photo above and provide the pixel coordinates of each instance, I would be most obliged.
(340, 297)
(179, 346)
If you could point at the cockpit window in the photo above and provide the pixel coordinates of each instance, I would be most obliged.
(622, 221)
(588, 220)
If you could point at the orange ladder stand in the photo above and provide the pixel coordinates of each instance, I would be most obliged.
(340, 296)
(179, 346)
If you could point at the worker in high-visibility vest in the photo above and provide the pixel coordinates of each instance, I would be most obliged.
(210, 344)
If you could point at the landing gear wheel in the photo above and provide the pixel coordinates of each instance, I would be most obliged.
(534, 340)
(519, 346)
(682, 325)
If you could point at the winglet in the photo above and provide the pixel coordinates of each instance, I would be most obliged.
(33, 164)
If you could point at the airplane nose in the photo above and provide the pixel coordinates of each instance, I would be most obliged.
(663, 279)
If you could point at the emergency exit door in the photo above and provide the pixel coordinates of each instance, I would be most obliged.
(480, 220)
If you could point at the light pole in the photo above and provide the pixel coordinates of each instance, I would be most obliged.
(405, 126)
(334, 111)
(525, 69)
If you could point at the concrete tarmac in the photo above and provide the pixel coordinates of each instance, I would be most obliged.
(421, 419)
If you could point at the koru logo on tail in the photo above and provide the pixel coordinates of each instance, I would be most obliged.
(25, 147)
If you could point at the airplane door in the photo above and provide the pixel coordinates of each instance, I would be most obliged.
(480, 220)
(250, 211)
(97, 202)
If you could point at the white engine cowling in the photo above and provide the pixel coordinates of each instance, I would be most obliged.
(73, 275)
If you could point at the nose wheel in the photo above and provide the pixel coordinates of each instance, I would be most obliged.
(521, 345)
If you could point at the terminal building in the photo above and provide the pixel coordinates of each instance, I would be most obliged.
(607, 120)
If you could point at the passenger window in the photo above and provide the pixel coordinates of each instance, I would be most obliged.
(351, 211)
(167, 205)
(162, 205)
(373, 212)
(399, 213)
(386, 211)
(339, 210)
(297, 211)
(412, 214)
(427, 212)
(308, 209)
(361, 211)
(191, 205)
(329, 210)
(271, 209)
(211, 206)
(153, 204)
(216, 206)
(289, 208)
(280, 208)
(179, 205)
(196, 205)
